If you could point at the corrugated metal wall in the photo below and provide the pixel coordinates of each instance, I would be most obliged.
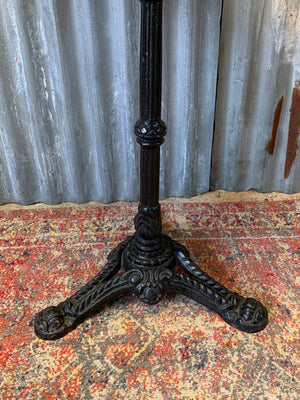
(69, 98)
(258, 101)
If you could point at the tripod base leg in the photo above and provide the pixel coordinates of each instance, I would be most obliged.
(245, 314)
(56, 321)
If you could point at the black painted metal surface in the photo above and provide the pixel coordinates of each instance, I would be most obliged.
(149, 257)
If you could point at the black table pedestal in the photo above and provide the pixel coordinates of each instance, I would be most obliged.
(148, 257)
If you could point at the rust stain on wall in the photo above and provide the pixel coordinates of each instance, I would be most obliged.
(276, 119)
(294, 131)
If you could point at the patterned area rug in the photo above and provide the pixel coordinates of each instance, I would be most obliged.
(130, 350)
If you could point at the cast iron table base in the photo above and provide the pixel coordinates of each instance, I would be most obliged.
(148, 257)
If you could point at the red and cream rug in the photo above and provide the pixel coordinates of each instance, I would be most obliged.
(130, 350)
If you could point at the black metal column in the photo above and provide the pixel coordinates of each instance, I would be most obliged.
(149, 247)
(150, 129)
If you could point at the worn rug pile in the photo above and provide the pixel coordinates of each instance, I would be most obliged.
(176, 349)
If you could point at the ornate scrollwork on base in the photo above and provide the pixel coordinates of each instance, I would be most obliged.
(248, 314)
(150, 283)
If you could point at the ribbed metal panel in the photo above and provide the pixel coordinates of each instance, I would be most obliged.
(192, 32)
(258, 101)
(69, 73)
